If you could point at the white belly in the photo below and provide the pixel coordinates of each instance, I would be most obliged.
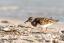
(46, 25)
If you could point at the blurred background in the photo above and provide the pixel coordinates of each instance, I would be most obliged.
(22, 9)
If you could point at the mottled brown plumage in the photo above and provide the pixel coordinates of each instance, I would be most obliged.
(41, 21)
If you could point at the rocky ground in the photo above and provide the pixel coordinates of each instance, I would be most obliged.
(14, 32)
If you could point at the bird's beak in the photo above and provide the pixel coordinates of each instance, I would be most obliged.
(26, 21)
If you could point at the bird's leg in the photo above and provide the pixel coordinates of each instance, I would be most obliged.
(41, 29)
(46, 28)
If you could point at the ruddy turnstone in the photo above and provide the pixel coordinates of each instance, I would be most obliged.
(42, 21)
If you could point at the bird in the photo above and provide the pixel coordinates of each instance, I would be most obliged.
(41, 21)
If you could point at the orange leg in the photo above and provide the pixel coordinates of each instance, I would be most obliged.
(46, 28)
